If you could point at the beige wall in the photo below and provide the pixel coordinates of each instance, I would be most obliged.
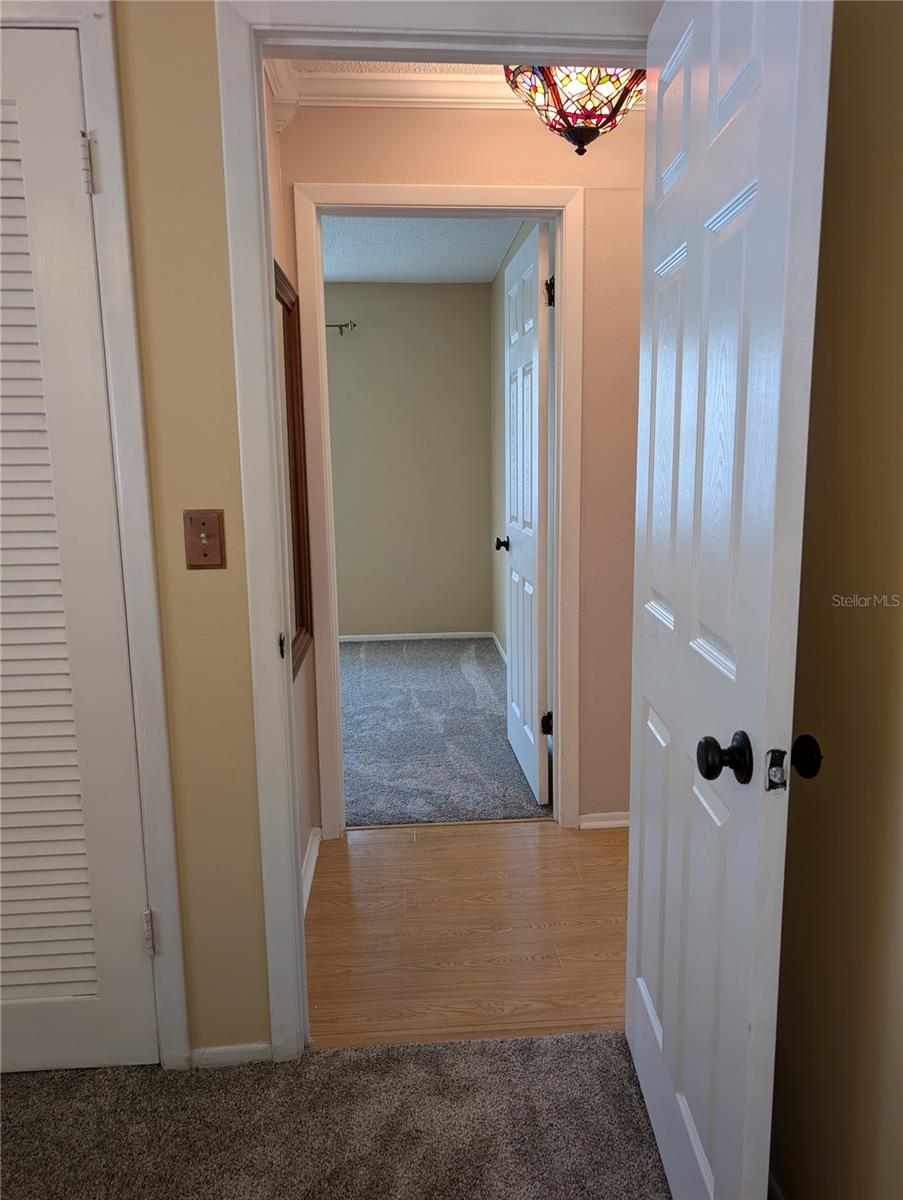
(171, 119)
(839, 1075)
(503, 147)
(409, 415)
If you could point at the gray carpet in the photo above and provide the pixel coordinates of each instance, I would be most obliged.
(424, 734)
(528, 1119)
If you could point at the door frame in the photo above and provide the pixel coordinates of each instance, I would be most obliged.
(246, 33)
(92, 21)
(564, 207)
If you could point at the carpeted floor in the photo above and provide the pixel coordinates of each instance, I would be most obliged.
(528, 1119)
(424, 734)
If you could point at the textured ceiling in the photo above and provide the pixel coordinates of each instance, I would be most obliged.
(415, 249)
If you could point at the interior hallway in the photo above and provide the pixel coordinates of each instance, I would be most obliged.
(440, 932)
(424, 734)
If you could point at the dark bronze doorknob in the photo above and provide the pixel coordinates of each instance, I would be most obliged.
(738, 757)
(805, 756)
(503, 543)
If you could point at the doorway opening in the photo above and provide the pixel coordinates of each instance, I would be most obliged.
(536, 532)
(528, 864)
(430, 457)
(399, 372)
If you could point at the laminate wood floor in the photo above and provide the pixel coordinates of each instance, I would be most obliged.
(443, 932)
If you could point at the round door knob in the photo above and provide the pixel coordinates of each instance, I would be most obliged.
(711, 758)
(805, 756)
(503, 543)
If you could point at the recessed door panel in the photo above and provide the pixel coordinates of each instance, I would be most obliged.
(721, 433)
(665, 434)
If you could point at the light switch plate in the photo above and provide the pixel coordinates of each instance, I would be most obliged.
(205, 539)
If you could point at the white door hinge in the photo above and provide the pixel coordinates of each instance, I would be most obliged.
(150, 941)
(89, 163)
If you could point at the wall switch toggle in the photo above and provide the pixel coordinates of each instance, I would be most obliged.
(205, 539)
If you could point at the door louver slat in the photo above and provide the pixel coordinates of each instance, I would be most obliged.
(47, 923)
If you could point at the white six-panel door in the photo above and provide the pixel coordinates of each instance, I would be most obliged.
(526, 465)
(734, 152)
(77, 986)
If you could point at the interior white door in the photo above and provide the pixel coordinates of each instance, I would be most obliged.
(526, 468)
(734, 155)
(76, 982)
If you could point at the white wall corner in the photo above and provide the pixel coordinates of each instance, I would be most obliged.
(310, 862)
(609, 820)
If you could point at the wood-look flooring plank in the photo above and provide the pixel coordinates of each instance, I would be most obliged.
(483, 1006)
(481, 869)
(486, 959)
(420, 933)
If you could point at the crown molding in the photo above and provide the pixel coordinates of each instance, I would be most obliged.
(404, 91)
(282, 81)
(284, 29)
(294, 89)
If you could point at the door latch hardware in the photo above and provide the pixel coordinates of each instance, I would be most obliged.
(549, 285)
(776, 774)
(545, 723)
(806, 756)
(282, 645)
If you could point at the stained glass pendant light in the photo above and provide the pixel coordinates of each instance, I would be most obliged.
(579, 103)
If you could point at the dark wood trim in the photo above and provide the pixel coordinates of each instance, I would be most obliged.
(285, 291)
(301, 642)
(302, 633)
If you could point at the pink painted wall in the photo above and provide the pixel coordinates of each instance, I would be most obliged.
(382, 145)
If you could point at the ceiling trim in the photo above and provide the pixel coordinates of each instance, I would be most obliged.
(281, 79)
(453, 46)
(404, 91)
(293, 90)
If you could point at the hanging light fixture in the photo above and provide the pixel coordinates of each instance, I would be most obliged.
(579, 103)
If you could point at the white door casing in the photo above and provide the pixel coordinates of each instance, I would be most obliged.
(734, 157)
(526, 484)
(77, 982)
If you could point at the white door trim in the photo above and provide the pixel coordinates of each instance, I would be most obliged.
(240, 45)
(565, 206)
(93, 22)
(260, 444)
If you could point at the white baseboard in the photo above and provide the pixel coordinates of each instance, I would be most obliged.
(609, 820)
(498, 645)
(310, 862)
(408, 637)
(231, 1056)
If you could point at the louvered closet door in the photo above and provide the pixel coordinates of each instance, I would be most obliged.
(77, 987)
